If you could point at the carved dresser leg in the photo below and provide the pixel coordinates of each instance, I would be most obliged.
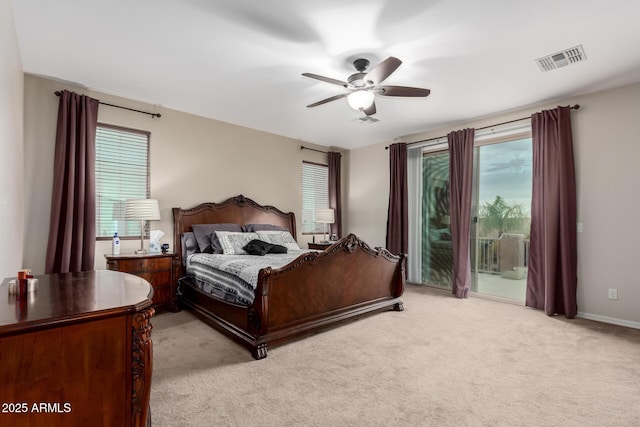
(398, 306)
(141, 367)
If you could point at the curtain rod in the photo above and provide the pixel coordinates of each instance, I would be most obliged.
(154, 115)
(302, 147)
(573, 107)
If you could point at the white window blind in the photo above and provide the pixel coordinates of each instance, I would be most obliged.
(122, 172)
(315, 195)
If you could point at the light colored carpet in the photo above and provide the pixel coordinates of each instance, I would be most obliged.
(441, 362)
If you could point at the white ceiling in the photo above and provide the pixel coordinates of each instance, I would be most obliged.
(241, 61)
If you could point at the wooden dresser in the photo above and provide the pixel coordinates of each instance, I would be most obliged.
(77, 351)
(158, 269)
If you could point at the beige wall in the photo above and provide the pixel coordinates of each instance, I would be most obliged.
(367, 189)
(11, 145)
(193, 160)
(607, 152)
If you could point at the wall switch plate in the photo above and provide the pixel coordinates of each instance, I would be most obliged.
(613, 294)
(579, 227)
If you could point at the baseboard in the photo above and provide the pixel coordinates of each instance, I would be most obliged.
(611, 320)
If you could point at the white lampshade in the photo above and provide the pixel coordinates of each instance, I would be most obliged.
(325, 216)
(142, 209)
(360, 99)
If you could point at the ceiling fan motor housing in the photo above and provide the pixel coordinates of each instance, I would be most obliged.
(357, 80)
(361, 64)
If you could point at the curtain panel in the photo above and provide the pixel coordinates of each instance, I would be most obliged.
(552, 278)
(72, 227)
(414, 185)
(460, 191)
(397, 241)
(335, 195)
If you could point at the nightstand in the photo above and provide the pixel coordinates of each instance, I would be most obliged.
(157, 269)
(320, 246)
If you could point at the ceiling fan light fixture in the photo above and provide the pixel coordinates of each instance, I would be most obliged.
(360, 99)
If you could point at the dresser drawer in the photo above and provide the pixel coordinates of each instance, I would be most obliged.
(157, 279)
(143, 264)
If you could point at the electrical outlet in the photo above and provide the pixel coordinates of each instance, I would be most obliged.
(613, 294)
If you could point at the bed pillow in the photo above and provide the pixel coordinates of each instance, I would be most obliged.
(258, 247)
(261, 227)
(203, 234)
(283, 238)
(233, 242)
(278, 249)
(189, 245)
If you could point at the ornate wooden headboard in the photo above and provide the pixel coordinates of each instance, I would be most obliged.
(235, 210)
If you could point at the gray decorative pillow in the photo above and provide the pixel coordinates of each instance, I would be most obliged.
(233, 243)
(261, 227)
(189, 245)
(203, 235)
(283, 238)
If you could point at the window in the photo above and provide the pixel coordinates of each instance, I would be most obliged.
(122, 172)
(315, 195)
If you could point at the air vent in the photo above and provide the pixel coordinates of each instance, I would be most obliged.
(561, 59)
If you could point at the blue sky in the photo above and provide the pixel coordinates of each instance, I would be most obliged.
(505, 170)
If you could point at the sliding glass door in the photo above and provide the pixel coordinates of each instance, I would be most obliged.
(437, 252)
(501, 218)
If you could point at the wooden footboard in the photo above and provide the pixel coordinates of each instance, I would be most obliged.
(316, 291)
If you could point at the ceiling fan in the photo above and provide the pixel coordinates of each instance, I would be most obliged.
(363, 86)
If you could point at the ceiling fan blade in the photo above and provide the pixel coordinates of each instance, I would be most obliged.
(402, 91)
(325, 79)
(324, 101)
(382, 70)
(370, 110)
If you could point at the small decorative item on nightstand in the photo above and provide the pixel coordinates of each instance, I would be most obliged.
(320, 246)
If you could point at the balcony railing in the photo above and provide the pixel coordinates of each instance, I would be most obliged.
(496, 255)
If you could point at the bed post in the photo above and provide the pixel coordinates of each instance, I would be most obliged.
(259, 314)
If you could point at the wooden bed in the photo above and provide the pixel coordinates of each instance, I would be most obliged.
(315, 291)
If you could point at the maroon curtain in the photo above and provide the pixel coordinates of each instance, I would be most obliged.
(460, 189)
(552, 278)
(72, 228)
(398, 213)
(335, 198)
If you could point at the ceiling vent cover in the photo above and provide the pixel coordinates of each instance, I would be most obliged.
(561, 59)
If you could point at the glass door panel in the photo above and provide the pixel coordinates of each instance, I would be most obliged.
(437, 252)
(501, 218)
